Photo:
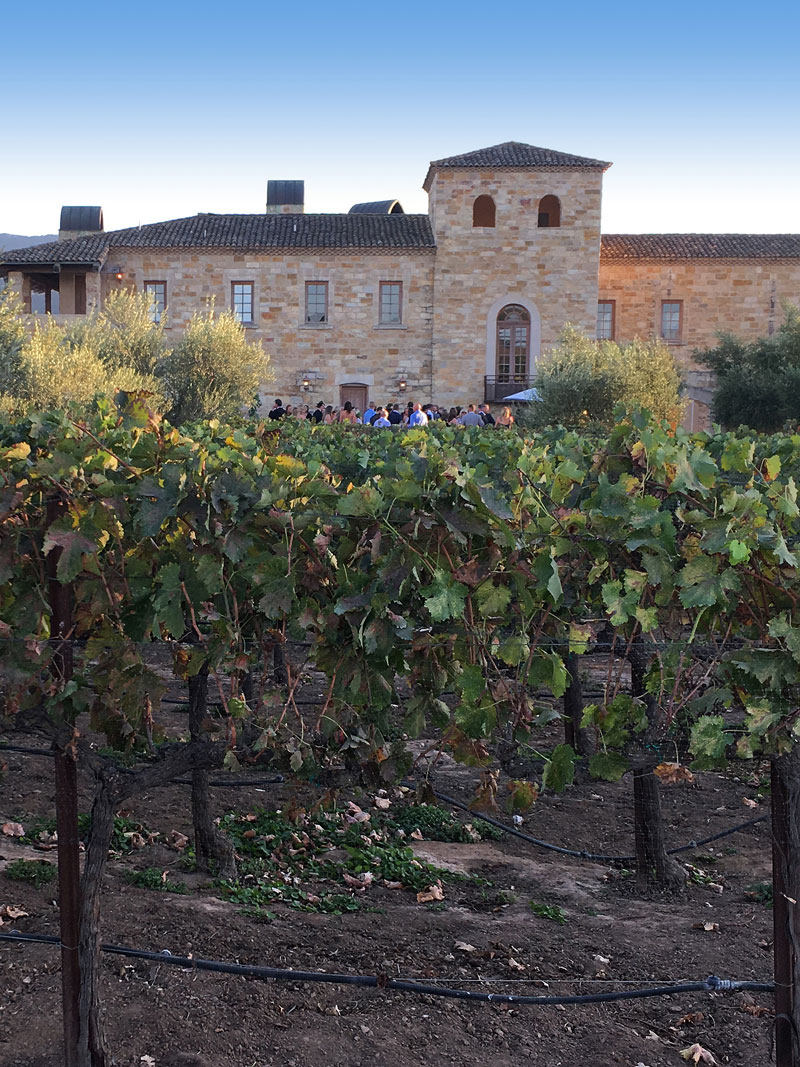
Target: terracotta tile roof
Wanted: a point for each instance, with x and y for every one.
(668, 246)
(513, 154)
(251, 233)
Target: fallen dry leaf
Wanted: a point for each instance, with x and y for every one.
(749, 803)
(177, 840)
(13, 829)
(416, 835)
(697, 1054)
(694, 1018)
(9, 912)
(709, 927)
(758, 1010)
(433, 892)
(464, 946)
(515, 965)
(383, 803)
(672, 773)
(392, 885)
(359, 881)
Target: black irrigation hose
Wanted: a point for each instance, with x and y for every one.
(27, 751)
(712, 984)
(583, 854)
(240, 783)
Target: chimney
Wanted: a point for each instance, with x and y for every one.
(285, 197)
(78, 221)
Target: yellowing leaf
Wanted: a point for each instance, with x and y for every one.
(697, 1054)
(671, 773)
(432, 893)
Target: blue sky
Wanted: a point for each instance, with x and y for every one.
(160, 111)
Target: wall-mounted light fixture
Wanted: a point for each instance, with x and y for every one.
(402, 385)
(118, 273)
(306, 384)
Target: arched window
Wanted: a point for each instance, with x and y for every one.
(513, 344)
(549, 211)
(483, 211)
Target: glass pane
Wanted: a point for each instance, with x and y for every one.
(390, 302)
(520, 352)
(158, 296)
(671, 321)
(513, 313)
(604, 321)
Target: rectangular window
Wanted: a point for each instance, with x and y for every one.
(391, 303)
(316, 301)
(158, 297)
(242, 301)
(605, 320)
(671, 315)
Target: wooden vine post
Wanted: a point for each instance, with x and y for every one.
(785, 795)
(66, 788)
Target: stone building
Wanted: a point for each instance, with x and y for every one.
(454, 305)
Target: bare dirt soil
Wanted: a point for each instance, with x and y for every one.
(160, 1016)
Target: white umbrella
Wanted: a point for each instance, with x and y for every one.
(524, 394)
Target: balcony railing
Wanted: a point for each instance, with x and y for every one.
(496, 387)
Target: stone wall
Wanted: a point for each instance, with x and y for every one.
(550, 271)
(352, 347)
(743, 297)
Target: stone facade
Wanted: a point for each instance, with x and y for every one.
(744, 297)
(460, 272)
(550, 271)
(352, 347)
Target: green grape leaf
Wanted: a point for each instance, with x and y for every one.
(610, 766)
(444, 598)
(492, 599)
(559, 772)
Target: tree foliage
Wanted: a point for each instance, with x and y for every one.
(758, 382)
(581, 380)
(213, 369)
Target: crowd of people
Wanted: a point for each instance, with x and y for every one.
(413, 414)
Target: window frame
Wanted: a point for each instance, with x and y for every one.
(677, 338)
(390, 322)
(325, 320)
(156, 313)
(611, 335)
(252, 287)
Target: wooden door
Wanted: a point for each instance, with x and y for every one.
(356, 394)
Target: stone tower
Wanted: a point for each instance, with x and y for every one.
(517, 231)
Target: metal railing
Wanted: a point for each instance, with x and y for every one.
(496, 387)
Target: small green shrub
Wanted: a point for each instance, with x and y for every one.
(437, 824)
(34, 872)
(548, 911)
(153, 878)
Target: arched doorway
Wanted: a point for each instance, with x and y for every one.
(513, 346)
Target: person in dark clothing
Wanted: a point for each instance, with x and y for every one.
(486, 415)
(395, 418)
(317, 414)
(278, 411)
